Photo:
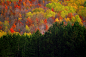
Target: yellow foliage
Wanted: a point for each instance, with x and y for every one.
(81, 23)
(17, 33)
(59, 21)
(73, 19)
(29, 14)
(81, 7)
(27, 28)
(42, 21)
(67, 19)
(6, 28)
(2, 33)
(54, 0)
(19, 18)
(27, 34)
(73, 5)
(56, 20)
(81, 2)
(6, 23)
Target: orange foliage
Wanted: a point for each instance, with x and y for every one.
(14, 26)
(83, 21)
(43, 1)
(45, 7)
(28, 1)
(60, 17)
(58, 14)
(72, 24)
(6, 7)
(24, 3)
(38, 29)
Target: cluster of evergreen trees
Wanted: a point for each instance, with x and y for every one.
(59, 41)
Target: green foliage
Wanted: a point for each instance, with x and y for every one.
(78, 18)
(49, 13)
(85, 4)
(82, 12)
(58, 41)
(29, 14)
(59, 7)
(64, 13)
(38, 10)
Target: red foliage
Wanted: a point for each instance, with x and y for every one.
(14, 3)
(6, 7)
(45, 7)
(19, 30)
(20, 0)
(7, 2)
(46, 27)
(39, 4)
(29, 22)
(37, 19)
(20, 23)
(17, 7)
(0, 27)
(70, 15)
(45, 21)
(65, 23)
(81, 18)
(12, 31)
(2, 3)
(32, 0)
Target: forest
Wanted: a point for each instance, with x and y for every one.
(42, 28)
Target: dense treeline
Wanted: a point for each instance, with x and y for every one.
(58, 41)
